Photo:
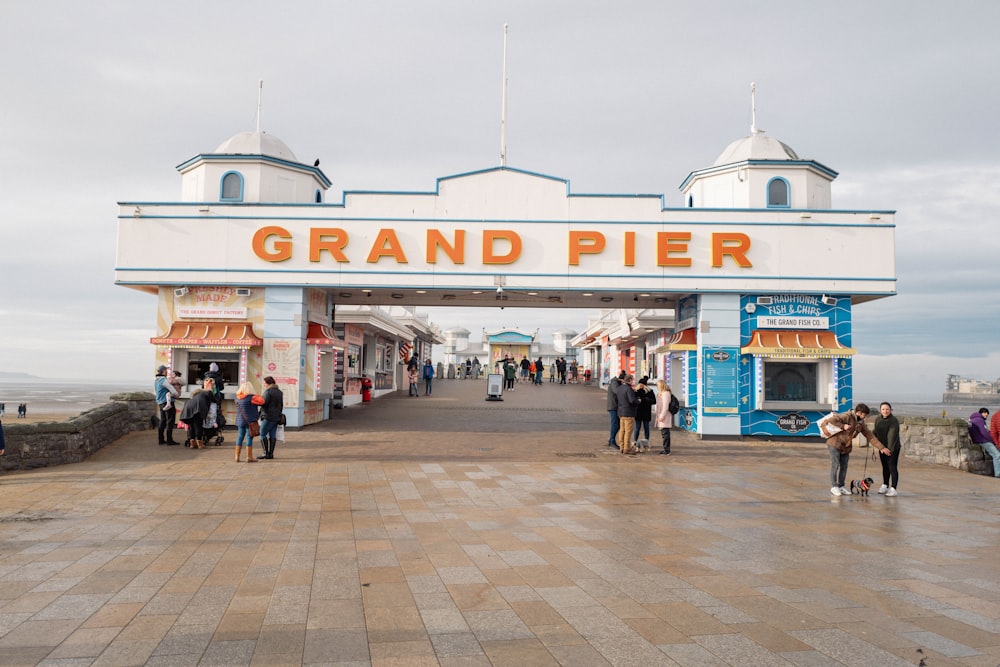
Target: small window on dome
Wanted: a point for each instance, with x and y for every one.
(232, 186)
(319, 196)
(690, 201)
(777, 193)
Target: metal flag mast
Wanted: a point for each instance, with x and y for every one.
(503, 109)
(260, 95)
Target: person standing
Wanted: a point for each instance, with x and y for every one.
(165, 395)
(987, 439)
(627, 405)
(197, 410)
(614, 422)
(218, 382)
(664, 417)
(413, 376)
(644, 412)
(887, 431)
(247, 418)
(509, 373)
(270, 416)
(3, 440)
(839, 431)
(428, 377)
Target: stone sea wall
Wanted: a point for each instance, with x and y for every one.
(943, 441)
(55, 443)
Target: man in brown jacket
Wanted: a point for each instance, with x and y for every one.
(839, 431)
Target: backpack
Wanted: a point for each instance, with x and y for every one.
(675, 405)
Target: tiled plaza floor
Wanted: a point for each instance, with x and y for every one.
(453, 531)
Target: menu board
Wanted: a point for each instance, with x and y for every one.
(720, 366)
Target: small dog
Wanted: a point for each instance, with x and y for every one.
(861, 485)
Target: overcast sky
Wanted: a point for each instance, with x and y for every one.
(101, 101)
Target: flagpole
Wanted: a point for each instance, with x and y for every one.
(503, 109)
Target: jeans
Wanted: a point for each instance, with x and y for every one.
(991, 450)
(639, 426)
(413, 389)
(243, 431)
(267, 432)
(838, 467)
(427, 386)
(615, 425)
(890, 468)
(165, 430)
(665, 434)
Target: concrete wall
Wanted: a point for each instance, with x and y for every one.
(55, 443)
(943, 442)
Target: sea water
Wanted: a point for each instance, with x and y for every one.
(53, 396)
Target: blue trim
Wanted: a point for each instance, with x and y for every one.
(788, 193)
(222, 187)
(239, 157)
(822, 168)
(494, 221)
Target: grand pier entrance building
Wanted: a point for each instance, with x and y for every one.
(760, 273)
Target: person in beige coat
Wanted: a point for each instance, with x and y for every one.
(664, 417)
(840, 431)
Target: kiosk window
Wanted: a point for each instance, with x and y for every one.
(791, 381)
(229, 366)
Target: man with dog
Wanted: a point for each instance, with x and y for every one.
(839, 431)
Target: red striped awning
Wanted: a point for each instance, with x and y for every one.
(685, 339)
(237, 335)
(815, 344)
(320, 334)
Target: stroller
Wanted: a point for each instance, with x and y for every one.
(212, 435)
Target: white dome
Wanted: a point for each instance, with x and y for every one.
(256, 143)
(457, 332)
(755, 147)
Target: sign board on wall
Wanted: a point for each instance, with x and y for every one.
(281, 361)
(720, 373)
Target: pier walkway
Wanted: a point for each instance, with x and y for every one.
(449, 530)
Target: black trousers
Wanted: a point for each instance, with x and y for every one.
(166, 425)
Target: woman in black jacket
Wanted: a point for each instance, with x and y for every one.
(644, 411)
(195, 412)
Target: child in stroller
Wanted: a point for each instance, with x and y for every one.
(212, 426)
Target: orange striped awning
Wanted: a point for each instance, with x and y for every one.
(237, 335)
(320, 334)
(686, 339)
(815, 344)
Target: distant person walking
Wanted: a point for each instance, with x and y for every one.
(428, 377)
(839, 431)
(413, 375)
(3, 439)
(887, 431)
(987, 439)
(270, 416)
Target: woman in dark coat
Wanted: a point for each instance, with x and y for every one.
(644, 411)
(196, 411)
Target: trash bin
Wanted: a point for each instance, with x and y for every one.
(366, 390)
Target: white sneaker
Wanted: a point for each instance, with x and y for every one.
(883, 488)
(844, 491)
(835, 491)
(891, 492)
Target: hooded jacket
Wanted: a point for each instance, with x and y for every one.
(977, 429)
(612, 393)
